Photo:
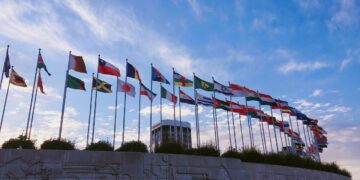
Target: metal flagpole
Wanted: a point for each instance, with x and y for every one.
(228, 122)
(272, 118)
(241, 131)
(64, 98)
(263, 129)
(216, 125)
(6, 96)
(305, 135)
(282, 120)
(139, 111)
(175, 127)
(262, 137)
(291, 122)
(89, 119)
(161, 120)
(297, 123)
(249, 125)
(115, 111)
(95, 104)
(151, 102)
(233, 122)
(216, 144)
(33, 108)
(196, 117)
(123, 128)
(2, 74)
(181, 128)
(32, 97)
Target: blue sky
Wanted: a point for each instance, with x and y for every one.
(306, 52)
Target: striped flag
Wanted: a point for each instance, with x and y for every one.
(200, 99)
(168, 95)
(146, 92)
(184, 98)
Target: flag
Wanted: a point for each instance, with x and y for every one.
(75, 83)
(280, 104)
(168, 95)
(7, 66)
(220, 104)
(17, 80)
(126, 87)
(252, 96)
(77, 63)
(238, 108)
(40, 84)
(238, 91)
(101, 85)
(266, 100)
(184, 98)
(41, 64)
(204, 85)
(251, 111)
(286, 110)
(157, 76)
(132, 72)
(180, 80)
(107, 68)
(146, 92)
(200, 99)
(218, 87)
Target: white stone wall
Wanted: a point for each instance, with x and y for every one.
(57, 164)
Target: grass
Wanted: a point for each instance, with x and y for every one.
(18, 143)
(284, 159)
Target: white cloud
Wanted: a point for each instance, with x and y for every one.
(197, 8)
(293, 66)
(345, 63)
(341, 109)
(317, 93)
(168, 111)
(345, 16)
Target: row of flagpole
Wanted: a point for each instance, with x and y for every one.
(73, 64)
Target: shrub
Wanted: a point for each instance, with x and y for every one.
(18, 143)
(61, 144)
(99, 146)
(170, 147)
(133, 146)
(207, 150)
(231, 153)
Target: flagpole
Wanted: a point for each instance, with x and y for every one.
(95, 103)
(6, 97)
(297, 123)
(151, 102)
(123, 128)
(31, 100)
(233, 122)
(175, 127)
(33, 108)
(262, 138)
(249, 124)
(2, 74)
(196, 117)
(262, 125)
(181, 128)
(282, 120)
(305, 134)
(228, 122)
(272, 118)
(115, 110)
(216, 125)
(64, 98)
(89, 119)
(139, 111)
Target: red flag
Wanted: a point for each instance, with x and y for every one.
(40, 84)
(107, 68)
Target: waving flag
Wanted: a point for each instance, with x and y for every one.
(7, 66)
(132, 72)
(75, 83)
(239, 91)
(157, 76)
(204, 85)
(41, 64)
(107, 68)
(126, 87)
(180, 80)
(251, 111)
(218, 87)
(40, 84)
(101, 85)
(280, 104)
(17, 80)
(184, 98)
(77, 63)
(200, 99)
(146, 92)
(168, 95)
(220, 104)
(266, 100)
(238, 108)
(252, 96)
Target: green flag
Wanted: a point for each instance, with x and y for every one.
(204, 85)
(101, 85)
(75, 83)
